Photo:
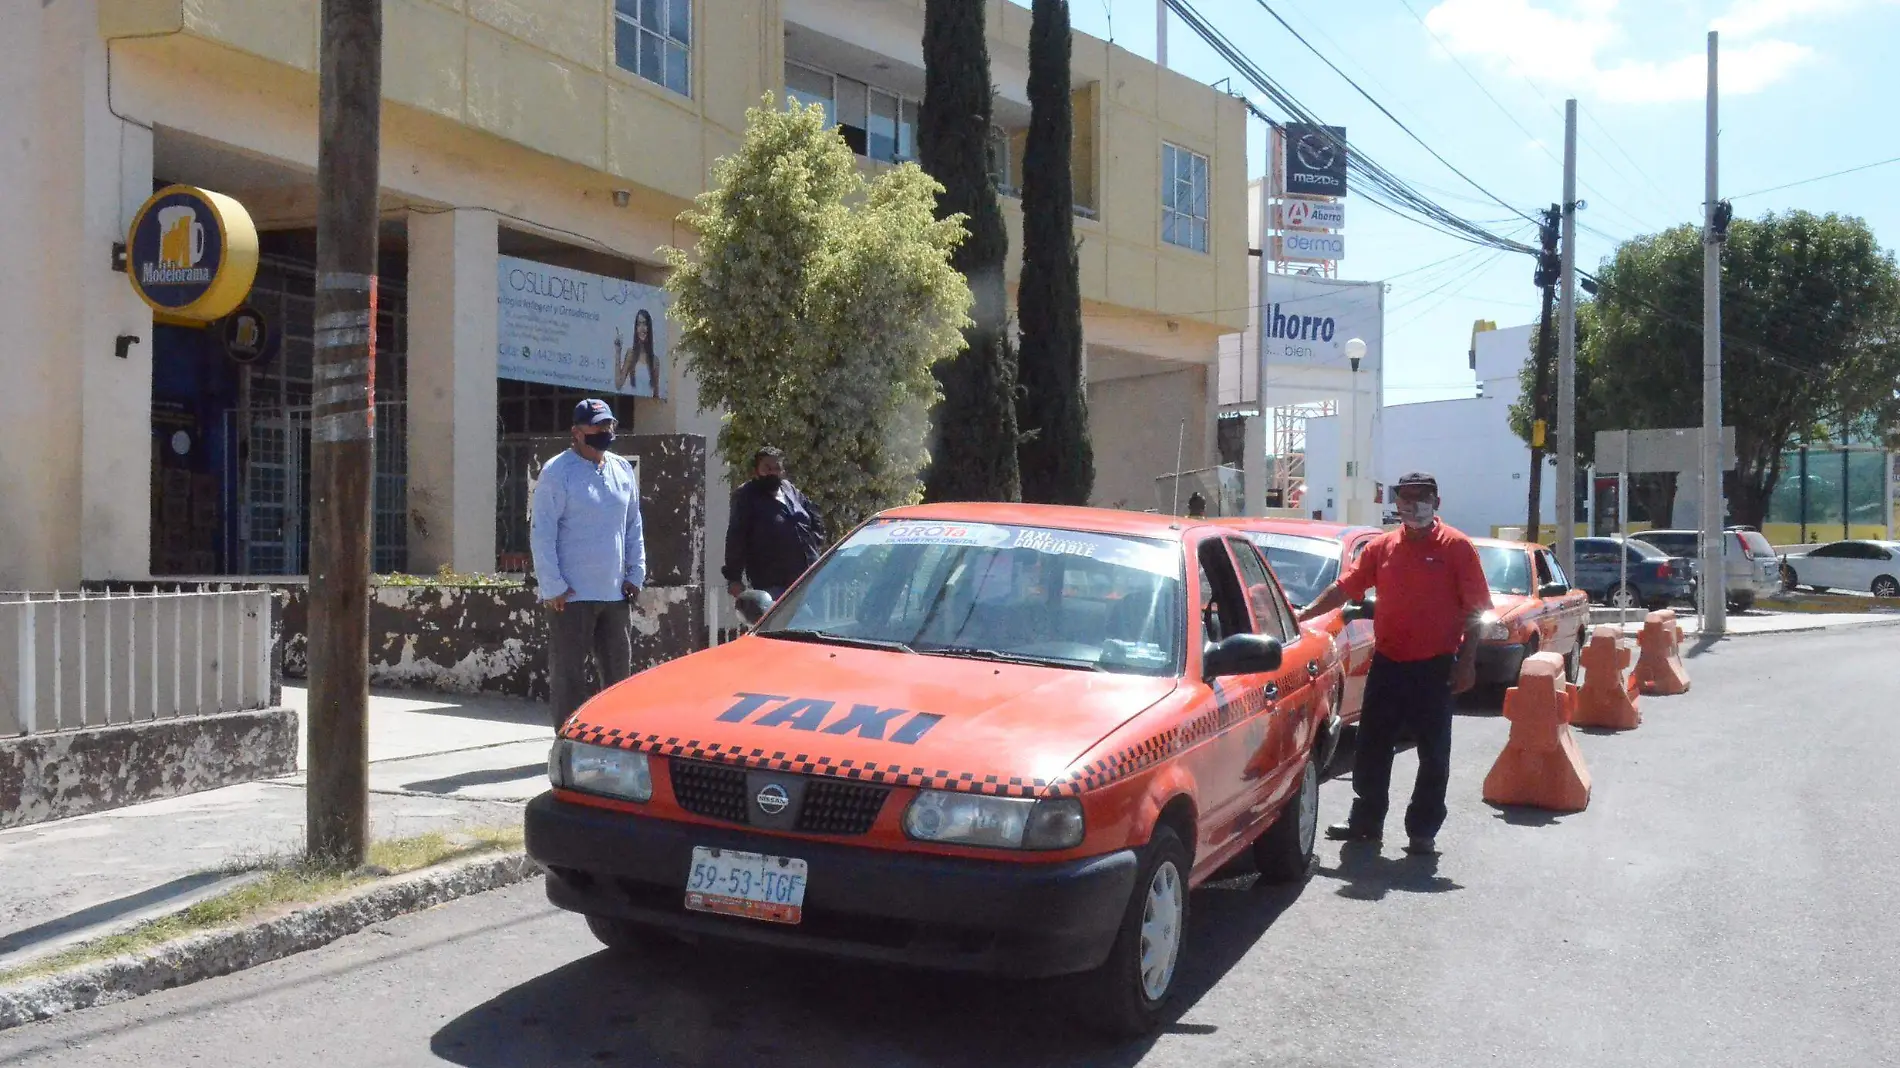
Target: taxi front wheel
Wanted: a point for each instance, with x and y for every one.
(1129, 995)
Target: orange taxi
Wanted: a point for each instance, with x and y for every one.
(984, 737)
(1535, 610)
(1308, 555)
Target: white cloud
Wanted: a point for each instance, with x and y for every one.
(1571, 47)
(1748, 17)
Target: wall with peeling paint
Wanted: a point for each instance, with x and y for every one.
(70, 773)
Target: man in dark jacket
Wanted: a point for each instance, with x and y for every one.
(774, 534)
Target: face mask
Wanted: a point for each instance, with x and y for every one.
(1418, 516)
(600, 440)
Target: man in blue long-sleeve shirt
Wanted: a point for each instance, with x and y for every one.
(590, 558)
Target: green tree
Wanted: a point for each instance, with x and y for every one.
(815, 306)
(1810, 338)
(1056, 457)
(973, 455)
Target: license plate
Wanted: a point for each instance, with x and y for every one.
(751, 885)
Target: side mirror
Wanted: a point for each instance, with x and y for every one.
(1361, 609)
(1552, 589)
(1241, 654)
(753, 604)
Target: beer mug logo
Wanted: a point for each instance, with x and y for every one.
(181, 238)
(247, 333)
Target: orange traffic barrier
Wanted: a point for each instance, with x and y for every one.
(1659, 668)
(1541, 766)
(1608, 697)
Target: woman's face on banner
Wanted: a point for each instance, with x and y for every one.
(642, 329)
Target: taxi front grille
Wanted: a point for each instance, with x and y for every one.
(840, 807)
(710, 790)
(719, 792)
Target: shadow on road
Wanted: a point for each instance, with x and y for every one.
(486, 777)
(720, 1004)
(1519, 816)
(1364, 874)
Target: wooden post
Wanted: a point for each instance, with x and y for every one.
(1540, 412)
(343, 422)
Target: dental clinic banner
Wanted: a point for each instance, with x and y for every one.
(580, 330)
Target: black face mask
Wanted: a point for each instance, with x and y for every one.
(600, 440)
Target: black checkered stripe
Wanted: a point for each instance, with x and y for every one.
(967, 782)
(1230, 708)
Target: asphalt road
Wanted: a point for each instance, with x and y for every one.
(1727, 899)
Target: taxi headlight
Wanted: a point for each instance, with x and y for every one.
(1492, 629)
(996, 822)
(599, 769)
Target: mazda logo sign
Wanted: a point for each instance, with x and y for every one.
(773, 799)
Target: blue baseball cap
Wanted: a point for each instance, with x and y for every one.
(592, 412)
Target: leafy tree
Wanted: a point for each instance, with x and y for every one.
(1810, 339)
(1056, 457)
(974, 450)
(814, 308)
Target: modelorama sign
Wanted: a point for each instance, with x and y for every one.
(191, 254)
(581, 330)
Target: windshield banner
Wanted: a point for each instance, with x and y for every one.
(1138, 553)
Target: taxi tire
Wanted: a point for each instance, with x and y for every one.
(1279, 854)
(1113, 1001)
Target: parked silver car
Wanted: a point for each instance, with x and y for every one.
(1750, 566)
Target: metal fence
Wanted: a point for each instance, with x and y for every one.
(70, 660)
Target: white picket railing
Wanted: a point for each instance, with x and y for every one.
(70, 660)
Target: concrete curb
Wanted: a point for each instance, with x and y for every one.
(232, 949)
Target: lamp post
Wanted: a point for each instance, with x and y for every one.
(1355, 352)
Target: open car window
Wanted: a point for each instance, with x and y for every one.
(1067, 598)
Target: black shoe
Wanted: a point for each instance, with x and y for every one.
(1422, 847)
(1346, 832)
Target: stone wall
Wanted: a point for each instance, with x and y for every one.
(70, 773)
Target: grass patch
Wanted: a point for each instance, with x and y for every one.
(281, 883)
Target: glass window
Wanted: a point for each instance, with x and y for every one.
(907, 133)
(1507, 570)
(999, 160)
(654, 39)
(1269, 608)
(880, 135)
(1184, 197)
(988, 591)
(1306, 566)
(808, 87)
(1223, 603)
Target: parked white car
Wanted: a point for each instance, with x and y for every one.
(1862, 566)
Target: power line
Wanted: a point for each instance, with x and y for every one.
(1374, 101)
(1819, 177)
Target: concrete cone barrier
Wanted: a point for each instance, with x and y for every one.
(1608, 697)
(1541, 766)
(1659, 668)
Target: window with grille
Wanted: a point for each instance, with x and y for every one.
(1183, 197)
(654, 39)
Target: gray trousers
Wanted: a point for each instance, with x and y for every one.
(602, 628)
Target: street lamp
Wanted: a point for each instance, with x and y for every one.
(1355, 352)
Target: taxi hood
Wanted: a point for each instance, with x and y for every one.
(832, 709)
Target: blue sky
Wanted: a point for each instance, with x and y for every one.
(1808, 87)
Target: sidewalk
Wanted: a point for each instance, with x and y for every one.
(437, 763)
(1758, 621)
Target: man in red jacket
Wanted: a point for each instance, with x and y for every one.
(1432, 597)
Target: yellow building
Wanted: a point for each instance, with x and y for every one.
(525, 144)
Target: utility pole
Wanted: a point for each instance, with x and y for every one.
(1714, 580)
(1548, 268)
(1161, 34)
(342, 429)
(1567, 359)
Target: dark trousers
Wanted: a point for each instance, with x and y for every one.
(1404, 699)
(602, 628)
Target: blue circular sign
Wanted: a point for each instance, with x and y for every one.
(192, 253)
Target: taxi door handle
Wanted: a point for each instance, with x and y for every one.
(1312, 669)
(1273, 691)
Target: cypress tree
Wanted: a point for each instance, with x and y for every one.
(973, 457)
(1056, 457)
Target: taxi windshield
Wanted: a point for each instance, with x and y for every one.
(1065, 598)
(1305, 566)
(1507, 570)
